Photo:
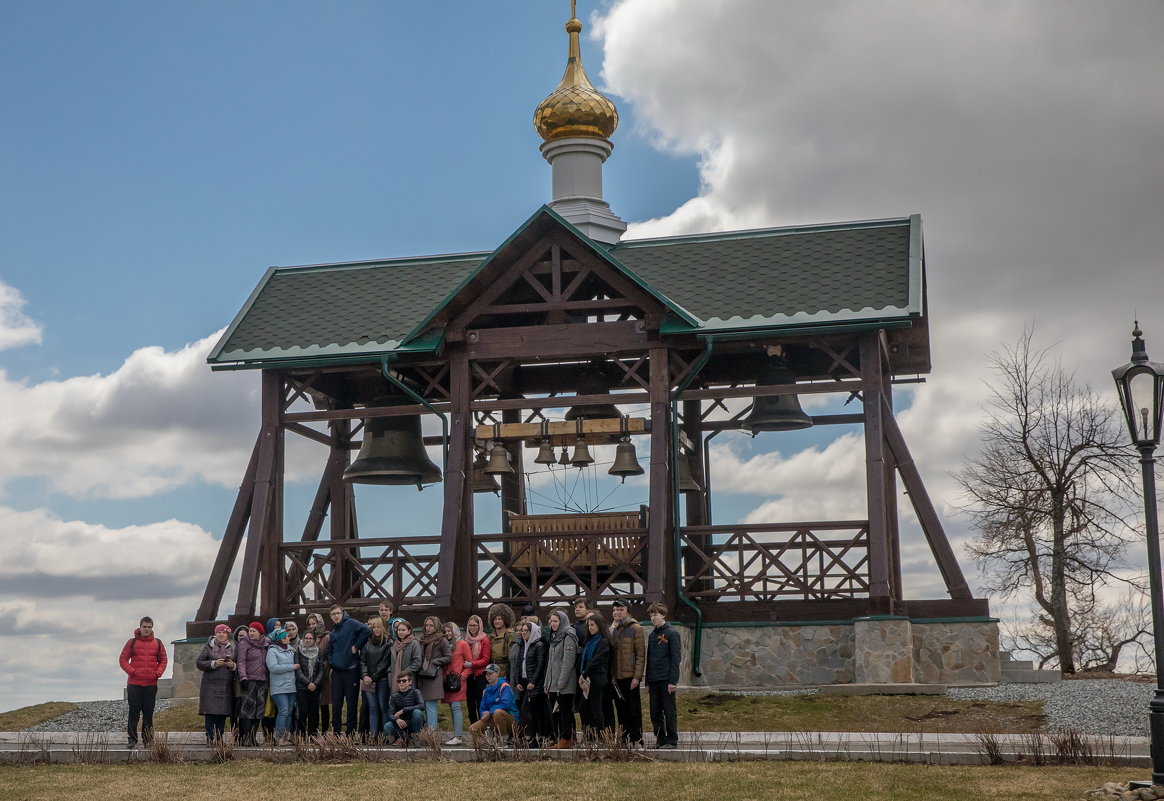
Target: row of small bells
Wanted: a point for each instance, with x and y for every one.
(393, 451)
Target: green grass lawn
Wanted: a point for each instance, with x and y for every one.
(27, 716)
(741, 781)
(703, 711)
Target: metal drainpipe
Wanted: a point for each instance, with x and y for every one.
(697, 642)
(387, 359)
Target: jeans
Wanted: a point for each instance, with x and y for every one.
(458, 718)
(141, 705)
(663, 716)
(345, 688)
(377, 703)
(283, 704)
(393, 732)
(430, 714)
(215, 726)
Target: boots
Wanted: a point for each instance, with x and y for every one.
(562, 743)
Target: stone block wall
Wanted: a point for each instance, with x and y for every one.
(877, 651)
(187, 677)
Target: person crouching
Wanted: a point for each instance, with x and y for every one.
(405, 714)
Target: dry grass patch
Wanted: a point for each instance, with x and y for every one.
(771, 781)
(180, 717)
(28, 716)
(856, 713)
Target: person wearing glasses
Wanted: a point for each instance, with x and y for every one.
(405, 712)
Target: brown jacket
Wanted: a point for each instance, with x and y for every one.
(630, 650)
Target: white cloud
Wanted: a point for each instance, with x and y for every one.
(16, 328)
(161, 420)
(74, 591)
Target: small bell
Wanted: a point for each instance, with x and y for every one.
(565, 460)
(686, 482)
(581, 457)
(498, 461)
(483, 481)
(626, 461)
(546, 454)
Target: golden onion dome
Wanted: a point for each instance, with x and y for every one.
(575, 108)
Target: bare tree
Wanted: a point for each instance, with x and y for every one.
(1048, 491)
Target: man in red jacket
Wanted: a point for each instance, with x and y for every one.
(144, 660)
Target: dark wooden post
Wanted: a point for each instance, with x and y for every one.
(341, 525)
(660, 568)
(270, 437)
(875, 482)
(892, 521)
(455, 579)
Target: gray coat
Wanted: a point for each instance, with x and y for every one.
(216, 693)
(434, 689)
(561, 674)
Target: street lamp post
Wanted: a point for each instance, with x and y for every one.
(1141, 387)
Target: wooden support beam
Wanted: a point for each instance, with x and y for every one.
(560, 432)
(231, 540)
(660, 569)
(814, 388)
(261, 505)
(310, 433)
(564, 341)
(926, 514)
(453, 579)
(891, 514)
(879, 560)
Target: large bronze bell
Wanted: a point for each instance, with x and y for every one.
(686, 481)
(581, 456)
(393, 451)
(592, 381)
(776, 412)
(626, 461)
(498, 461)
(483, 481)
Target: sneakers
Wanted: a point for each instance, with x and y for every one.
(454, 741)
(132, 743)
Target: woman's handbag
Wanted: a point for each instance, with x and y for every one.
(427, 671)
(452, 682)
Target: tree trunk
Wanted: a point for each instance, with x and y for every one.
(1060, 612)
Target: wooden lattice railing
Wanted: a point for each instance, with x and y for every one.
(767, 562)
(347, 572)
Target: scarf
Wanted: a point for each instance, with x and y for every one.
(429, 642)
(475, 642)
(588, 651)
(221, 650)
(308, 651)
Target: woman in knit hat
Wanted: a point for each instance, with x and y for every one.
(252, 674)
(216, 693)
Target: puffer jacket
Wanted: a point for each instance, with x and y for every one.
(562, 660)
(252, 659)
(143, 659)
(281, 667)
(376, 659)
(629, 643)
(531, 656)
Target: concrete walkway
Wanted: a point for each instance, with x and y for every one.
(934, 749)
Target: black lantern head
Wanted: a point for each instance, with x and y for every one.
(1141, 386)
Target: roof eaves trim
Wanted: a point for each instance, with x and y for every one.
(757, 233)
(216, 352)
(917, 266)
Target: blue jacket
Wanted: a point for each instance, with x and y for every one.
(663, 653)
(347, 632)
(498, 695)
(281, 666)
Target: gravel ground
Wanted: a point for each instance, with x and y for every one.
(1095, 706)
(95, 716)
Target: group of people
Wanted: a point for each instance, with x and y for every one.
(520, 679)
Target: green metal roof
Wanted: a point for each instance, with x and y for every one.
(779, 278)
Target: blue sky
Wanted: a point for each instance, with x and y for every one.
(157, 157)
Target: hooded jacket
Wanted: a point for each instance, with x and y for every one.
(630, 649)
(252, 659)
(281, 666)
(562, 659)
(530, 667)
(376, 659)
(348, 633)
(143, 658)
(498, 695)
(663, 654)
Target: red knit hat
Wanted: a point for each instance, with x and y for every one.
(257, 626)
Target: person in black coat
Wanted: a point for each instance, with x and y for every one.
(309, 683)
(529, 675)
(594, 673)
(663, 656)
